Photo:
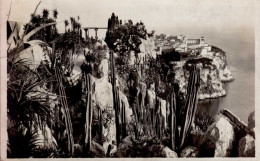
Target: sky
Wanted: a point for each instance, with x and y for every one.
(162, 16)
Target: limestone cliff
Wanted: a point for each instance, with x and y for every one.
(214, 72)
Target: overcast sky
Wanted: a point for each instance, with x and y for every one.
(158, 15)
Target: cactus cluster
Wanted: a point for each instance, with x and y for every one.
(178, 137)
(118, 105)
(150, 121)
(64, 105)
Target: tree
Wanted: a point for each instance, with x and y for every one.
(45, 14)
(47, 33)
(72, 21)
(66, 23)
(55, 14)
(126, 37)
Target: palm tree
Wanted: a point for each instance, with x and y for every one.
(45, 14)
(66, 22)
(55, 14)
(72, 21)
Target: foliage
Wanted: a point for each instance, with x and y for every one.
(20, 145)
(69, 41)
(203, 121)
(46, 34)
(124, 37)
(22, 83)
(204, 61)
(151, 72)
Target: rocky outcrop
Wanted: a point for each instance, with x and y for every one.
(151, 100)
(104, 68)
(162, 104)
(102, 98)
(148, 47)
(246, 147)
(219, 60)
(218, 139)
(151, 96)
(189, 152)
(212, 75)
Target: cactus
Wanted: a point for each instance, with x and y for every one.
(123, 120)
(100, 130)
(191, 103)
(64, 104)
(172, 121)
(116, 100)
(89, 113)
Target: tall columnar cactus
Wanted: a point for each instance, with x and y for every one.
(191, 103)
(100, 130)
(116, 100)
(123, 120)
(172, 121)
(64, 105)
(89, 113)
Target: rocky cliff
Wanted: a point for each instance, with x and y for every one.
(214, 72)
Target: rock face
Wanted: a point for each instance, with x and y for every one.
(104, 68)
(162, 104)
(246, 147)
(251, 120)
(151, 97)
(103, 98)
(148, 46)
(218, 139)
(212, 76)
(189, 152)
(219, 60)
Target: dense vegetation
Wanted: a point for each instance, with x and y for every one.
(51, 114)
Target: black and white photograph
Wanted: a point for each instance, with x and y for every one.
(128, 79)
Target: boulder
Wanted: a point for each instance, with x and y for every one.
(196, 136)
(246, 146)
(132, 59)
(97, 150)
(169, 153)
(128, 141)
(151, 97)
(218, 139)
(189, 152)
(77, 150)
(103, 68)
(162, 104)
(251, 120)
(123, 151)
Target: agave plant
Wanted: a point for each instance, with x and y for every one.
(23, 98)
